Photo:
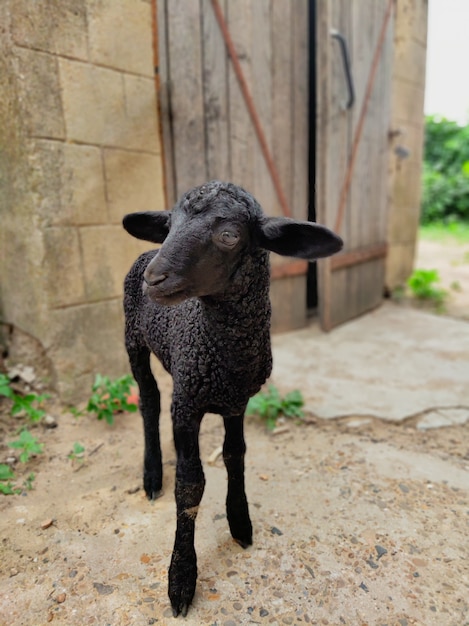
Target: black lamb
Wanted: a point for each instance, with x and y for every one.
(201, 304)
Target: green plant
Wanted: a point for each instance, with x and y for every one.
(109, 397)
(269, 405)
(77, 452)
(6, 476)
(422, 284)
(29, 404)
(28, 482)
(5, 389)
(445, 194)
(28, 445)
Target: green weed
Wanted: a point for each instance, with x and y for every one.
(269, 405)
(5, 389)
(6, 477)
(77, 452)
(422, 284)
(109, 397)
(28, 483)
(28, 445)
(30, 404)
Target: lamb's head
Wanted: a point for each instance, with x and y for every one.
(208, 234)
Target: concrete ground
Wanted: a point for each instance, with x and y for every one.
(357, 520)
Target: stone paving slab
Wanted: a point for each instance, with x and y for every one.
(393, 363)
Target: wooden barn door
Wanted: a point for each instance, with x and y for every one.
(208, 130)
(352, 282)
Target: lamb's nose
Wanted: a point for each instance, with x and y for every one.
(152, 280)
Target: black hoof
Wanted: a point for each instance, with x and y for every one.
(181, 587)
(243, 542)
(154, 495)
(153, 485)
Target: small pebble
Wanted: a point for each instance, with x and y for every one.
(380, 551)
(49, 421)
(364, 587)
(275, 531)
(61, 598)
(372, 564)
(263, 613)
(104, 590)
(404, 488)
(47, 523)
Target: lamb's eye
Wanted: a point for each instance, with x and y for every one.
(229, 238)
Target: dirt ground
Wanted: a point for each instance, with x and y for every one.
(356, 521)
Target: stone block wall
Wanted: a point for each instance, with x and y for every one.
(407, 136)
(79, 147)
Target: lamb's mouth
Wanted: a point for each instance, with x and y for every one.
(168, 297)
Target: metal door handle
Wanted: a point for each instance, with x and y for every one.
(347, 71)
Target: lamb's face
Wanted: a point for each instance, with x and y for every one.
(208, 234)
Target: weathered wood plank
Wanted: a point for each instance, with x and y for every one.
(243, 140)
(261, 91)
(282, 106)
(322, 70)
(187, 104)
(164, 100)
(338, 151)
(215, 75)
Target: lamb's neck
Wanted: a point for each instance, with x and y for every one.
(245, 306)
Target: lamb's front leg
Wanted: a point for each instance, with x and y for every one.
(190, 483)
(149, 404)
(237, 510)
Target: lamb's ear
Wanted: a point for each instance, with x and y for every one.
(304, 240)
(149, 225)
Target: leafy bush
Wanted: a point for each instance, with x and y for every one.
(445, 171)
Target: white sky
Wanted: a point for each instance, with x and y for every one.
(447, 80)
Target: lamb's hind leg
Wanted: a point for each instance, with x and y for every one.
(150, 409)
(237, 510)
